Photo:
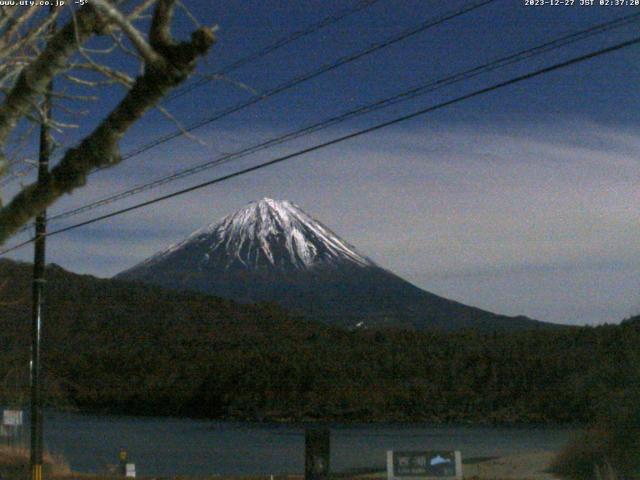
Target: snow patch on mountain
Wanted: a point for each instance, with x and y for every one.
(265, 234)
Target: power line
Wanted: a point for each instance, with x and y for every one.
(430, 23)
(325, 22)
(16, 247)
(403, 118)
(406, 95)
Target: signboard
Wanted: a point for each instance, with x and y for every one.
(436, 464)
(12, 418)
(130, 470)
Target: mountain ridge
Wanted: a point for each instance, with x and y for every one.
(273, 251)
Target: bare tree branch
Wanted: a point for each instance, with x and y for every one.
(8, 48)
(140, 9)
(100, 148)
(160, 33)
(35, 77)
(136, 38)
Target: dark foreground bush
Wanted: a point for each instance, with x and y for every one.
(609, 452)
(14, 464)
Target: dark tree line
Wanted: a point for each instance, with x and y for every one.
(118, 347)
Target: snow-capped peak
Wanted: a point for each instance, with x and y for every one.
(263, 235)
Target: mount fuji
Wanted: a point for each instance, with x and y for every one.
(272, 251)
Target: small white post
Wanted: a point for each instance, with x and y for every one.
(390, 465)
(458, 465)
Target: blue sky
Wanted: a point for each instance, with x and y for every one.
(522, 201)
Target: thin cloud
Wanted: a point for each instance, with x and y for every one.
(431, 204)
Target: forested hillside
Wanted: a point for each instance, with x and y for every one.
(119, 347)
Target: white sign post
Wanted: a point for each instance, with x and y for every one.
(12, 418)
(11, 427)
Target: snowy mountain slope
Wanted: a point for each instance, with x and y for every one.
(272, 251)
(267, 234)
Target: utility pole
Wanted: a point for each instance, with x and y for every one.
(317, 453)
(38, 291)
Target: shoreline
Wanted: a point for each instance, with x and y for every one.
(313, 421)
(522, 466)
(529, 466)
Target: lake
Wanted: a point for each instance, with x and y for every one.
(171, 446)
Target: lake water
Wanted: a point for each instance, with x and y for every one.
(171, 446)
